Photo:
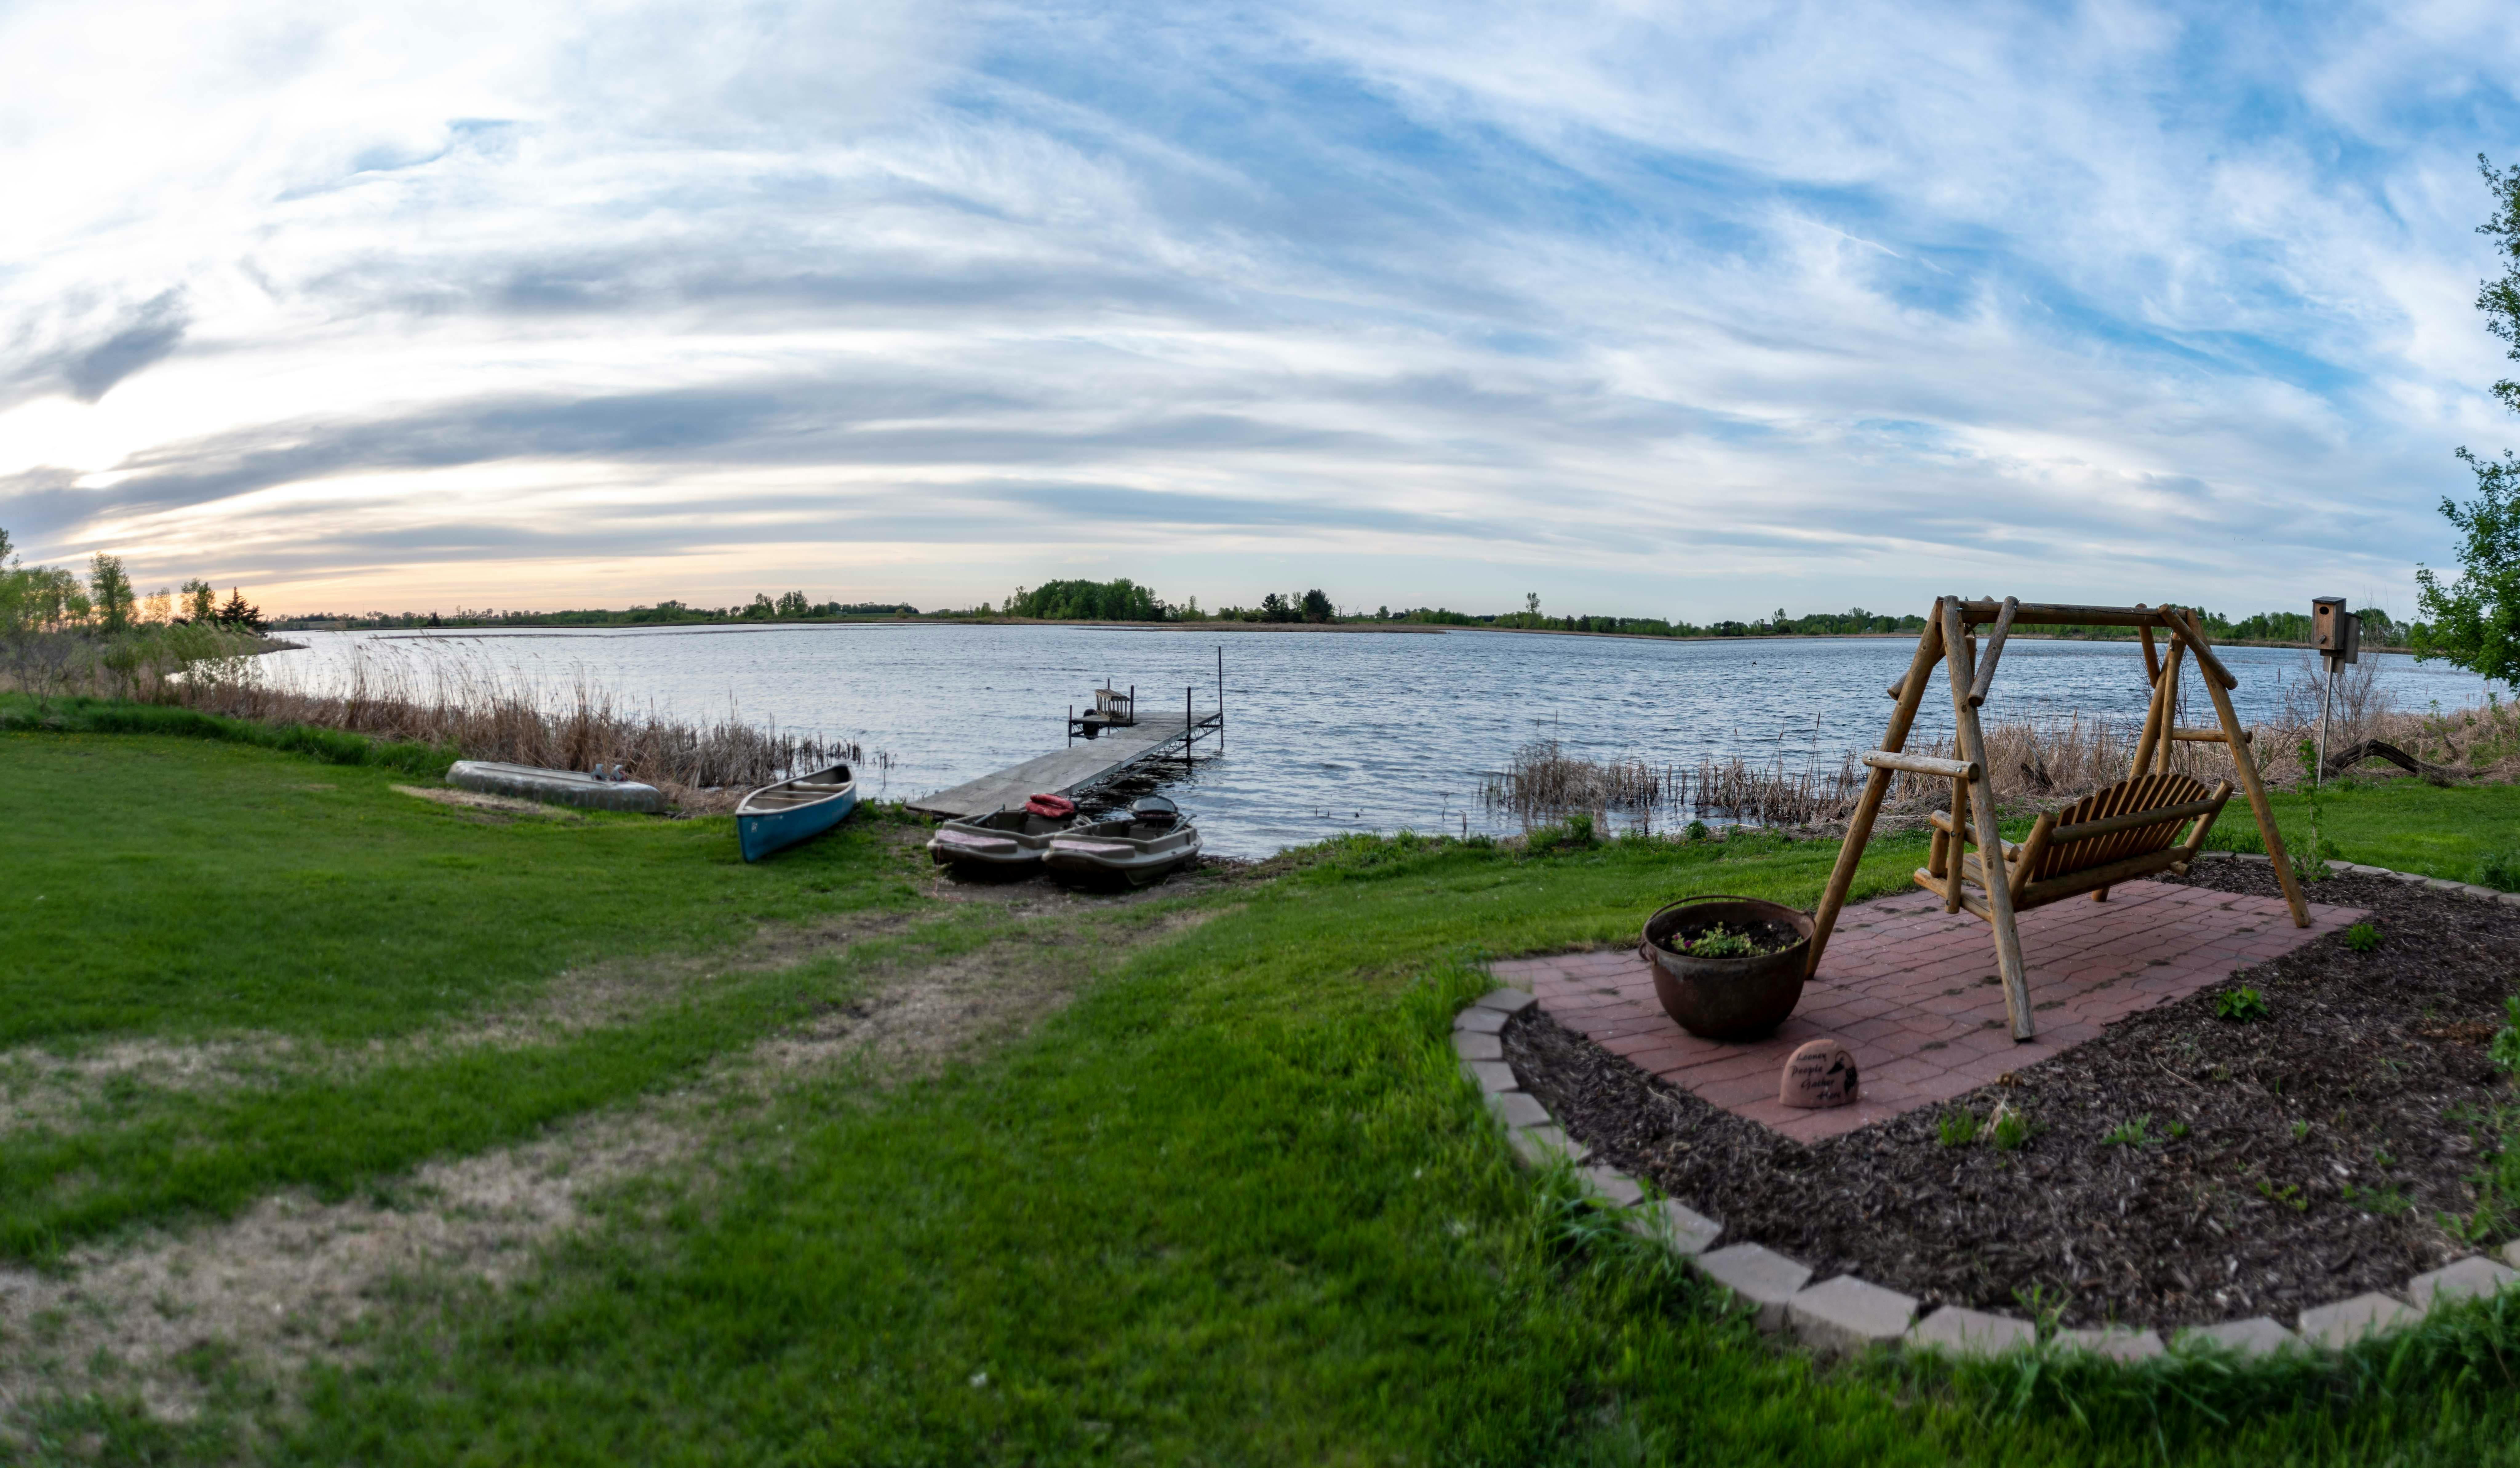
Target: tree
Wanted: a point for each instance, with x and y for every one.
(762, 606)
(200, 601)
(240, 614)
(2474, 622)
(1531, 604)
(110, 593)
(1121, 600)
(1273, 607)
(17, 588)
(1317, 605)
(793, 605)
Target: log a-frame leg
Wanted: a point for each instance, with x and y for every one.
(1942, 642)
(1910, 693)
(2218, 686)
(1971, 741)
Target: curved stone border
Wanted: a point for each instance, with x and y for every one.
(1845, 1313)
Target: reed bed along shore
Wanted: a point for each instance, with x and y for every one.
(470, 711)
(2034, 765)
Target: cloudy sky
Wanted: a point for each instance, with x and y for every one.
(1682, 310)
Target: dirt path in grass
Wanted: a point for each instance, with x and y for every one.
(41, 1088)
(288, 1281)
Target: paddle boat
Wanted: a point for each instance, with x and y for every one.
(1008, 841)
(1145, 846)
(777, 816)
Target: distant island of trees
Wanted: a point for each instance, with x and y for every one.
(1123, 599)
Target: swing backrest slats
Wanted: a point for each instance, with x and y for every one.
(2132, 796)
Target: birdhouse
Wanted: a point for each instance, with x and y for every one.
(2336, 633)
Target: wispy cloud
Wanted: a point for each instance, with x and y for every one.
(1660, 313)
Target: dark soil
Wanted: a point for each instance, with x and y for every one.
(1765, 938)
(2286, 1161)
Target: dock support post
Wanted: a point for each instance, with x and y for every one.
(1190, 730)
(1220, 700)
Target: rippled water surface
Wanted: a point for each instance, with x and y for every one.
(1326, 731)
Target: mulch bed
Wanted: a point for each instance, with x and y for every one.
(2320, 1144)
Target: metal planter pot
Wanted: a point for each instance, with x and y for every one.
(1727, 998)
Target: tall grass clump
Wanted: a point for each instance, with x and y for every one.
(429, 709)
(483, 712)
(1542, 782)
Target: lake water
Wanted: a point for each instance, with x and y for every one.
(1325, 731)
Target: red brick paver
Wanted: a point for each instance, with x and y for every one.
(1912, 991)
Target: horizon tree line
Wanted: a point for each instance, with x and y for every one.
(54, 599)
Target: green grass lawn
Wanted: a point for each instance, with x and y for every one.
(181, 888)
(2455, 833)
(1234, 1204)
(2404, 825)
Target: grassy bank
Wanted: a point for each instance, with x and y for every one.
(2461, 833)
(1232, 1203)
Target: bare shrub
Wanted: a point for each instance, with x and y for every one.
(2480, 741)
(138, 664)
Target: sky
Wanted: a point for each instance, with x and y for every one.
(1690, 311)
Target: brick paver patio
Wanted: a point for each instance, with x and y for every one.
(1912, 990)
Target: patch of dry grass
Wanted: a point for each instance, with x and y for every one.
(288, 1281)
(481, 712)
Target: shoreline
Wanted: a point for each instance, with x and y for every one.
(1345, 627)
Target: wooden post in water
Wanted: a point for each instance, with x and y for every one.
(1220, 699)
(1190, 729)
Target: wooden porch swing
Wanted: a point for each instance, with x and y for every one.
(2120, 833)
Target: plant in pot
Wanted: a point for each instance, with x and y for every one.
(1728, 968)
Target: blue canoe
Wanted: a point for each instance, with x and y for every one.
(777, 816)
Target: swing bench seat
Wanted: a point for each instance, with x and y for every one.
(2122, 833)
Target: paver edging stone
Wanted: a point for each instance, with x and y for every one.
(2339, 1325)
(1843, 1318)
(2258, 1335)
(1843, 1315)
(1961, 1331)
(2115, 1342)
(2459, 1279)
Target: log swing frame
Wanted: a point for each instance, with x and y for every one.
(1950, 639)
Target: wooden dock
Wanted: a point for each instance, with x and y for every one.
(1063, 771)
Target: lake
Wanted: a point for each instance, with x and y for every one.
(1325, 731)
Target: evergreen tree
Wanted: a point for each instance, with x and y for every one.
(241, 614)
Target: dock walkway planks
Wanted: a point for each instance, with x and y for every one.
(1057, 772)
